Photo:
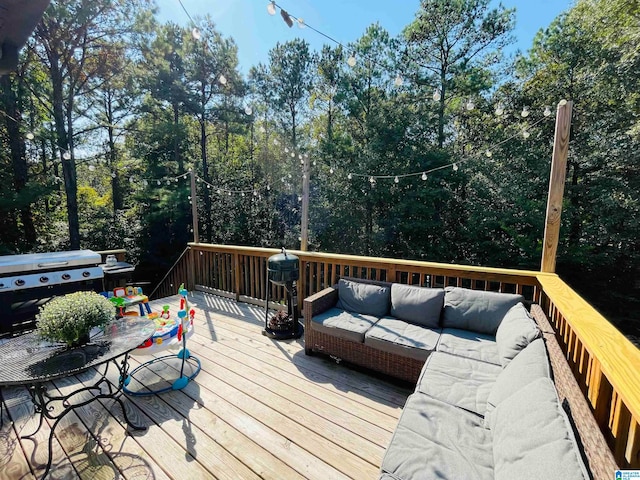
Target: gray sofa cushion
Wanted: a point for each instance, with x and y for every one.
(516, 331)
(435, 440)
(464, 343)
(458, 381)
(417, 304)
(532, 437)
(363, 298)
(475, 310)
(342, 324)
(530, 364)
(402, 338)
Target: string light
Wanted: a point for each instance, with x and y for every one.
(424, 175)
(525, 133)
(499, 110)
(455, 167)
(30, 136)
(470, 105)
(301, 23)
(488, 153)
(271, 8)
(398, 81)
(351, 61)
(222, 79)
(547, 111)
(350, 176)
(248, 110)
(436, 95)
(396, 179)
(195, 33)
(525, 112)
(66, 155)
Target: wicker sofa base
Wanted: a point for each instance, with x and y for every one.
(397, 366)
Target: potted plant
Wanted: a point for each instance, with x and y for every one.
(280, 321)
(70, 318)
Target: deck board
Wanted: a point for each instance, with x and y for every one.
(259, 409)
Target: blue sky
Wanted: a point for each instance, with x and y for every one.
(256, 32)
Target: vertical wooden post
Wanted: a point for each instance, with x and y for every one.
(556, 186)
(304, 228)
(194, 208)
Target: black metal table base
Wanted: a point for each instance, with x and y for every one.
(43, 402)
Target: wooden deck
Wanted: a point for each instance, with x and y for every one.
(258, 409)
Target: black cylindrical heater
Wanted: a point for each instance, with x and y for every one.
(283, 269)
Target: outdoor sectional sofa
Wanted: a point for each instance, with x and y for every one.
(484, 406)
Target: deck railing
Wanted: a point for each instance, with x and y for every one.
(605, 363)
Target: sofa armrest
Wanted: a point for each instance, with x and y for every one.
(320, 302)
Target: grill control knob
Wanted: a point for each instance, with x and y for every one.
(44, 279)
(86, 274)
(19, 283)
(66, 276)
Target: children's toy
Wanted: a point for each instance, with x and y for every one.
(171, 333)
(124, 297)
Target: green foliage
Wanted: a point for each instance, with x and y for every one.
(69, 317)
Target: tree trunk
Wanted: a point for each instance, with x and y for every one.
(176, 141)
(18, 154)
(63, 144)
(441, 105)
(116, 194)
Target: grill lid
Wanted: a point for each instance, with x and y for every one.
(34, 262)
(283, 267)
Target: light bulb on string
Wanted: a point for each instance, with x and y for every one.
(525, 133)
(300, 156)
(131, 179)
(168, 182)
(271, 8)
(331, 170)
(547, 111)
(92, 168)
(470, 105)
(301, 23)
(351, 61)
(286, 149)
(145, 183)
(350, 176)
(268, 187)
(436, 95)
(525, 112)
(275, 142)
(299, 198)
(499, 110)
(255, 193)
(218, 191)
(208, 186)
(262, 129)
(396, 180)
(30, 136)
(195, 33)
(315, 163)
(372, 180)
(242, 194)
(455, 167)
(293, 154)
(424, 176)
(113, 175)
(66, 155)
(222, 79)
(248, 110)
(488, 153)
(158, 182)
(398, 81)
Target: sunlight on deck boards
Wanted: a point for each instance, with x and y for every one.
(258, 409)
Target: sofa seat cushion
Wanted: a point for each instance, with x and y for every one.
(435, 440)
(458, 381)
(516, 331)
(476, 310)
(529, 365)
(464, 343)
(343, 324)
(417, 305)
(402, 338)
(532, 437)
(365, 298)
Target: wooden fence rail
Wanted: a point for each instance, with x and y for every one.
(605, 363)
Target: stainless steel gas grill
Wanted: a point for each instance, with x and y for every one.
(30, 280)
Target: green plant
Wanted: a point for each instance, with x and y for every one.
(71, 317)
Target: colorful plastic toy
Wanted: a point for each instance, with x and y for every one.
(171, 333)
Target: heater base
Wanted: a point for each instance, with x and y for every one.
(284, 335)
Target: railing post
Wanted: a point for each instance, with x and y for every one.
(191, 271)
(304, 228)
(194, 207)
(236, 275)
(556, 186)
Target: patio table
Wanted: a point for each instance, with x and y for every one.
(32, 362)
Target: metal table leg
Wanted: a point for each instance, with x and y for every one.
(42, 402)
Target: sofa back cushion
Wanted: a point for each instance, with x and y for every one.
(532, 437)
(530, 364)
(515, 332)
(476, 310)
(417, 305)
(368, 299)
